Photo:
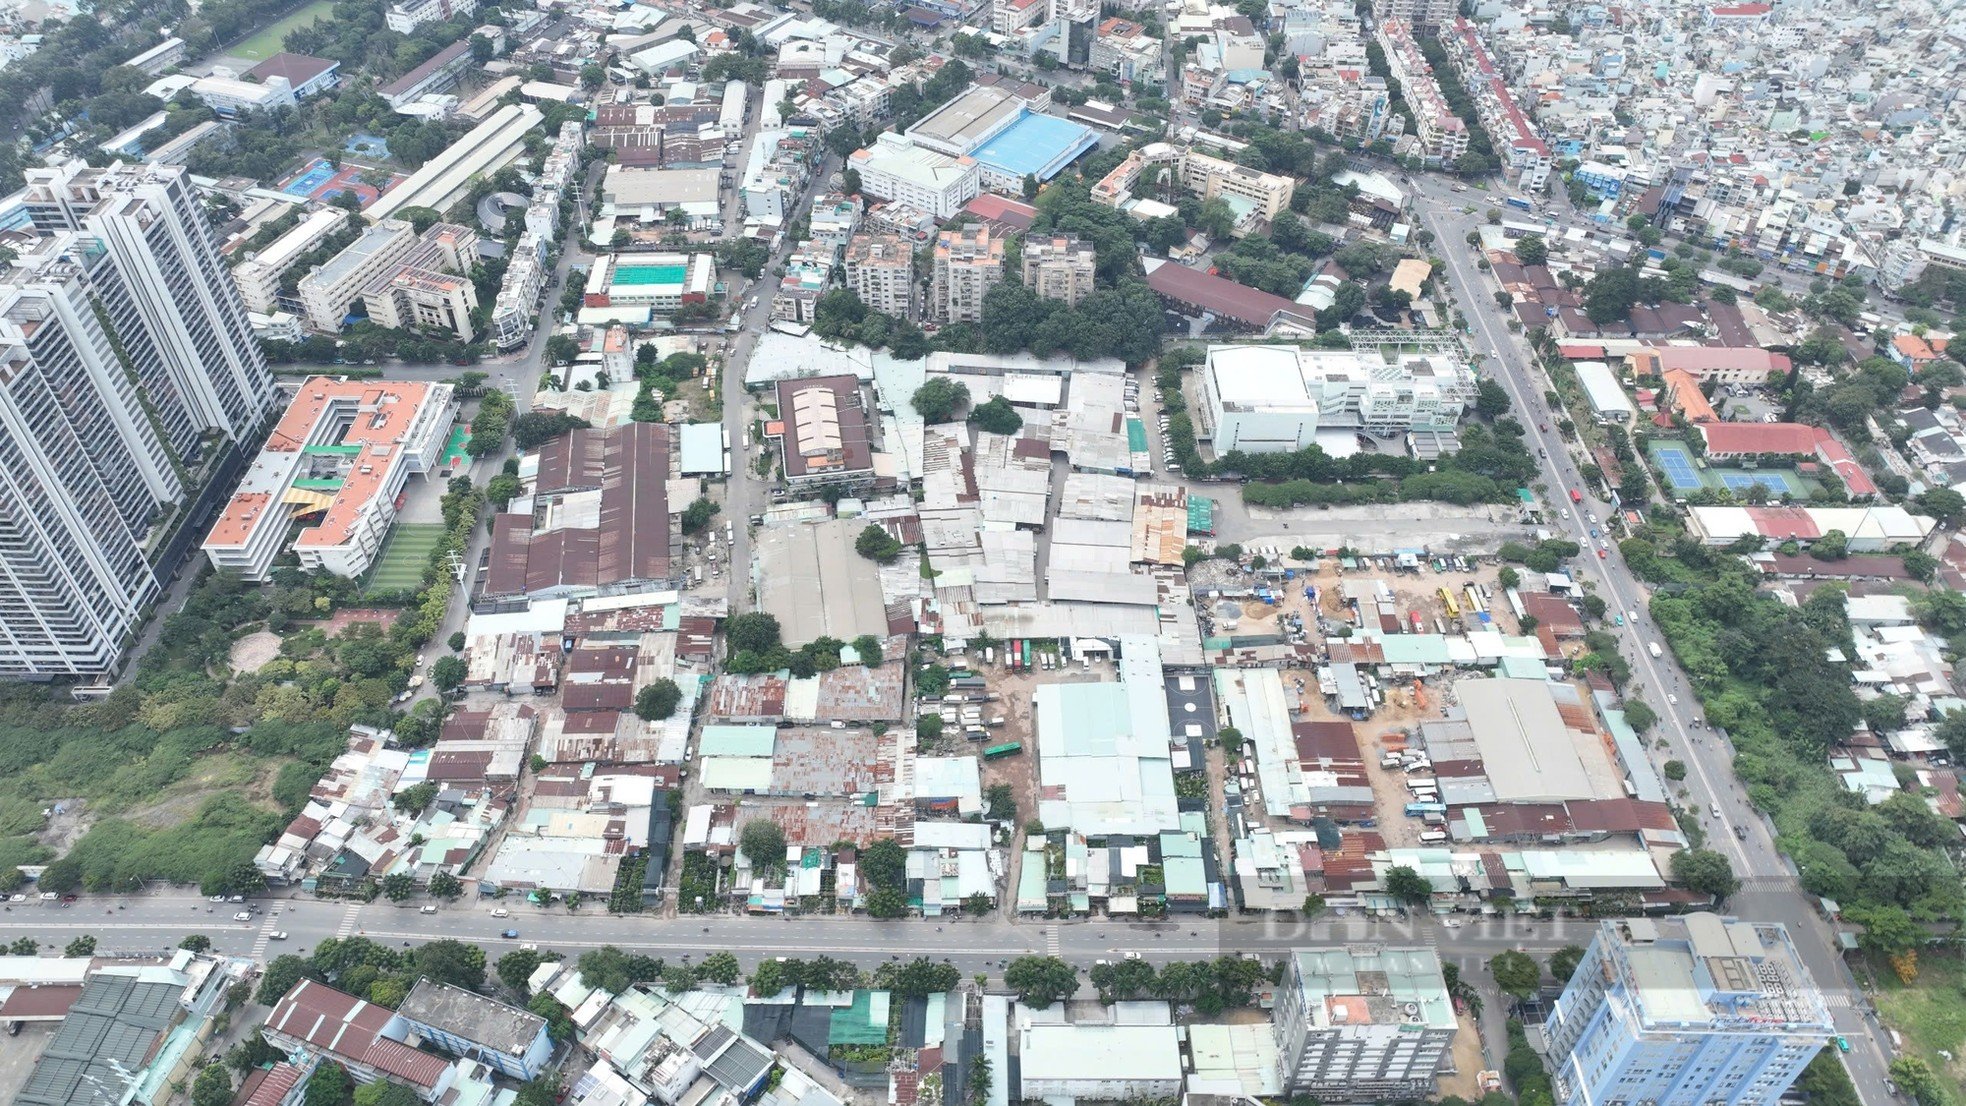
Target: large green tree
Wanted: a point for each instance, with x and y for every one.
(1041, 980)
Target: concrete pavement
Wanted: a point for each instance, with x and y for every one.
(1734, 828)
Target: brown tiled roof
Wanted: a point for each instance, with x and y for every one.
(49, 1001)
(350, 1029)
(1249, 306)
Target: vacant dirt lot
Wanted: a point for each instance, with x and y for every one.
(254, 651)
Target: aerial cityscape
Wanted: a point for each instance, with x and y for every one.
(982, 552)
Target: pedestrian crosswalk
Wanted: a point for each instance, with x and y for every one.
(266, 930)
(1051, 943)
(1777, 881)
(348, 919)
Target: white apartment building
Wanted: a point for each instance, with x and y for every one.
(1198, 174)
(82, 475)
(969, 262)
(198, 358)
(1059, 267)
(101, 413)
(1418, 13)
(514, 312)
(880, 269)
(258, 277)
(336, 463)
(1443, 136)
(428, 290)
(1276, 399)
(328, 292)
(1362, 1023)
(895, 168)
(1698, 1010)
(405, 16)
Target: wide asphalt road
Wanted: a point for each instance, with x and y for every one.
(151, 923)
(1769, 889)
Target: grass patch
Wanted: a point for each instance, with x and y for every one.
(225, 770)
(1931, 1015)
(404, 557)
(267, 42)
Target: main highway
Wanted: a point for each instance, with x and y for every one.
(150, 923)
(1769, 890)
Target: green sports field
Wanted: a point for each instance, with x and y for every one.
(267, 42)
(404, 556)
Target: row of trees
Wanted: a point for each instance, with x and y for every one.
(1210, 986)
(1764, 673)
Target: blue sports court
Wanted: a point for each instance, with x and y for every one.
(1676, 461)
(1777, 483)
(314, 176)
(1036, 146)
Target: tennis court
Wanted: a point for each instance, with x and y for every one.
(1777, 483)
(404, 557)
(1676, 461)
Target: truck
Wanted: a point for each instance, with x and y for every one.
(1576, 496)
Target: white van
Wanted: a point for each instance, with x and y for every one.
(1433, 836)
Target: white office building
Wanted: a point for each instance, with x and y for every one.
(895, 168)
(1362, 1023)
(258, 277)
(1698, 1010)
(405, 16)
(328, 292)
(1276, 399)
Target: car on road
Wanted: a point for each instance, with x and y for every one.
(1672, 700)
(1452, 923)
(243, 916)
(1842, 1043)
(1133, 956)
(216, 898)
(277, 935)
(529, 947)
(501, 912)
(1601, 554)
(1632, 614)
(1713, 809)
(427, 910)
(510, 935)
(1618, 620)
